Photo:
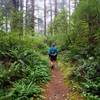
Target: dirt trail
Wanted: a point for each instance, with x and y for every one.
(56, 89)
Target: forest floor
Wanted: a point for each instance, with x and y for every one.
(57, 89)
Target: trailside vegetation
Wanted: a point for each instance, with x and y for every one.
(23, 70)
(81, 46)
(25, 33)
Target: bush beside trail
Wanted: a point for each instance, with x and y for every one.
(23, 69)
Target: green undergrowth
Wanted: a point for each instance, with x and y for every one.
(23, 67)
(74, 93)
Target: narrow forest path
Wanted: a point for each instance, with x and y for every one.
(60, 88)
(56, 89)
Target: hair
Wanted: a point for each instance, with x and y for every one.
(53, 44)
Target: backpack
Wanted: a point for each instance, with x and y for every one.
(53, 51)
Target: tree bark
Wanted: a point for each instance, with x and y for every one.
(21, 18)
(69, 15)
(75, 3)
(33, 16)
(6, 16)
(14, 8)
(26, 13)
(45, 17)
(51, 17)
(56, 8)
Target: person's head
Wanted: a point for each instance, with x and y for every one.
(53, 45)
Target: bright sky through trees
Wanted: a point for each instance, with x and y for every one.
(39, 6)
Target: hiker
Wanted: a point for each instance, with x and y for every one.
(52, 52)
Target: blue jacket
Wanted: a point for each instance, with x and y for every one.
(52, 50)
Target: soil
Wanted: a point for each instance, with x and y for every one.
(56, 89)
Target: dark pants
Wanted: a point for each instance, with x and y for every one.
(53, 58)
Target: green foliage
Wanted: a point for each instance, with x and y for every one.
(85, 48)
(1, 18)
(59, 39)
(82, 46)
(59, 26)
(22, 68)
(87, 73)
(16, 19)
(23, 91)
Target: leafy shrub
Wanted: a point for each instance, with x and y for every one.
(87, 74)
(84, 49)
(22, 67)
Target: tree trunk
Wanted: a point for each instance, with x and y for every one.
(69, 16)
(6, 22)
(26, 21)
(69, 25)
(21, 18)
(14, 8)
(45, 17)
(33, 16)
(51, 17)
(6, 16)
(75, 3)
(55, 7)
